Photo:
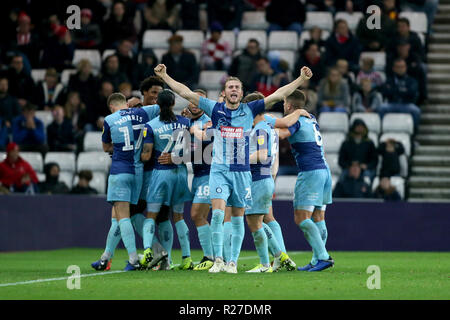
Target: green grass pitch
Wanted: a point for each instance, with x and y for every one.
(404, 275)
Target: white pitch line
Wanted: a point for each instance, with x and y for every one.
(96, 274)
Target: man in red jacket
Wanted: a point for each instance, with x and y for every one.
(15, 173)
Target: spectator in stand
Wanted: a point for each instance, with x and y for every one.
(367, 72)
(181, 63)
(374, 39)
(161, 14)
(315, 34)
(26, 40)
(257, 5)
(386, 191)
(9, 106)
(60, 133)
(342, 44)
(16, 174)
(366, 99)
(118, 27)
(89, 36)
(21, 85)
(4, 139)
(333, 93)
(429, 7)
(267, 81)
(59, 50)
(347, 75)
(85, 83)
(127, 60)
(414, 64)
(401, 92)
(82, 187)
(227, 12)
(390, 152)
(193, 14)
(391, 9)
(243, 66)
(404, 33)
(321, 5)
(111, 72)
(126, 89)
(286, 15)
(28, 131)
(311, 57)
(359, 148)
(352, 185)
(75, 110)
(311, 97)
(216, 52)
(146, 68)
(52, 185)
(101, 107)
(49, 92)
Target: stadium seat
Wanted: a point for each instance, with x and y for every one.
(333, 163)
(65, 160)
(192, 39)
(107, 53)
(417, 20)
(92, 141)
(283, 40)
(286, 55)
(159, 53)
(372, 120)
(197, 54)
(67, 178)
(2, 156)
(284, 187)
(397, 182)
(94, 161)
(93, 56)
(398, 122)
(38, 75)
(65, 75)
(45, 116)
(307, 36)
(228, 36)
(332, 141)
(378, 57)
(211, 80)
(40, 176)
(374, 137)
(246, 35)
(213, 94)
(351, 18)
(334, 180)
(254, 20)
(333, 122)
(323, 20)
(404, 138)
(156, 39)
(98, 181)
(180, 104)
(34, 159)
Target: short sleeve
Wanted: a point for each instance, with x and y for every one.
(106, 133)
(148, 134)
(207, 105)
(152, 111)
(270, 120)
(257, 106)
(294, 128)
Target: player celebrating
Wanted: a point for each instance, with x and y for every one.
(230, 177)
(313, 186)
(168, 184)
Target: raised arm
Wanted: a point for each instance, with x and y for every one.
(177, 87)
(291, 119)
(286, 90)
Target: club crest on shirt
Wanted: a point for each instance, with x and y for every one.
(145, 132)
(260, 140)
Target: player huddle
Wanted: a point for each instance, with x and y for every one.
(233, 148)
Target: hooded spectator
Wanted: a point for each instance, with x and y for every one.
(52, 185)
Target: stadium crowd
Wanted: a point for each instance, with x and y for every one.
(35, 36)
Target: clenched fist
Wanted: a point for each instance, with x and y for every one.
(160, 70)
(306, 73)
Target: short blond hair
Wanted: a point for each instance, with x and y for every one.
(232, 79)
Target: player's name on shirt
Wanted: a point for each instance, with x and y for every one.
(130, 117)
(170, 127)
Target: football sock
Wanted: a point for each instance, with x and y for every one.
(183, 238)
(165, 231)
(227, 229)
(217, 232)
(261, 245)
(127, 233)
(149, 232)
(274, 246)
(276, 229)
(312, 235)
(323, 234)
(204, 236)
(137, 221)
(237, 236)
(112, 240)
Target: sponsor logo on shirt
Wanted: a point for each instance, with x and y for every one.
(232, 132)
